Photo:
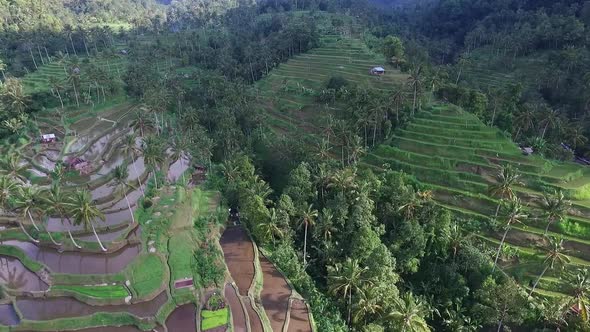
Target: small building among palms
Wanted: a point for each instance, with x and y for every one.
(377, 71)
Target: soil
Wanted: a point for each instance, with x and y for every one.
(14, 275)
(76, 262)
(183, 319)
(64, 307)
(275, 294)
(299, 320)
(237, 312)
(255, 322)
(239, 257)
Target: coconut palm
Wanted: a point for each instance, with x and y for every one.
(120, 177)
(15, 97)
(27, 201)
(554, 207)
(325, 227)
(408, 313)
(554, 255)
(56, 203)
(307, 220)
(367, 305)
(141, 123)
(8, 189)
(506, 178)
(84, 212)
(457, 238)
(550, 120)
(514, 215)
(576, 137)
(153, 155)
(3, 68)
(525, 120)
(347, 278)
(270, 227)
(580, 290)
(129, 148)
(415, 82)
(11, 165)
(180, 151)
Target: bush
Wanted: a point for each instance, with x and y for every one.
(336, 82)
(215, 302)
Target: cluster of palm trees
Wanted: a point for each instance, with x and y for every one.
(29, 202)
(350, 279)
(554, 209)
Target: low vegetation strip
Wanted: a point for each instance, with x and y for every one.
(98, 292)
(214, 319)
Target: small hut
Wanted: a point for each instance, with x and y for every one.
(48, 138)
(527, 151)
(377, 71)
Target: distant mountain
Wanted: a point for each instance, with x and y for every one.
(397, 3)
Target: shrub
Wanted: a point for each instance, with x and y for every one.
(336, 82)
(215, 302)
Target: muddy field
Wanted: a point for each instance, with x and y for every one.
(183, 319)
(237, 312)
(275, 294)
(299, 319)
(239, 257)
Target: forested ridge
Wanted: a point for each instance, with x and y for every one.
(407, 166)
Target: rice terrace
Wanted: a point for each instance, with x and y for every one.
(294, 166)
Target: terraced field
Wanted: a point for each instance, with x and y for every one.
(39, 80)
(455, 154)
(287, 94)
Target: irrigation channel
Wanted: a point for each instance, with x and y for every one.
(251, 270)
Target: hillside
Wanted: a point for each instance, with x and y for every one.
(458, 156)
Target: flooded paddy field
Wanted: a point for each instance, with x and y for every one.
(14, 275)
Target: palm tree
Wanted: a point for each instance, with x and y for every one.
(576, 137)
(415, 82)
(56, 203)
(464, 60)
(55, 87)
(129, 148)
(554, 255)
(554, 207)
(408, 313)
(506, 178)
(514, 215)
(457, 238)
(368, 304)
(120, 176)
(270, 227)
(307, 220)
(11, 165)
(180, 151)
(347, 278)
(141, 123)
(84, 212)
(325, 228)
(550, 119)
(153, 155)
(30, 200)
(13, 92)
(525, 119)
(74, 79)
(9, 190)
(580, 290)
(3, 68)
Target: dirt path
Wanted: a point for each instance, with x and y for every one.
(237, 311)
(299, 320)
(239, 257)
(275, 294)
(255, 322)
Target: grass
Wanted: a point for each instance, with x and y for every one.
(98, 292)
(146, 274)
(213, 319)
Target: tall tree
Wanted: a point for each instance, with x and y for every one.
(129, 148)
(121, 184)
(502, 189)
(29, 202)
(307, 220)
(84, 212)
(408, 314)
(554, 256)
(56, 203)
(153, 155)
(554, 207)
(347, 278)
(514, 215)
